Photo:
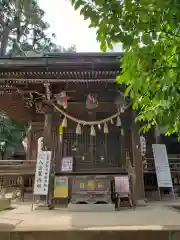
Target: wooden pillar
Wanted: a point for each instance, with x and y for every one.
(150, 139)
(156, 135)
(29, 144)
(137, 165)
(48, 128)
(59, 151)
(123, 134)
(22, 188)
(48, 146)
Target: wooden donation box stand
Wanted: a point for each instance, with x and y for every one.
(82, 189)
(91, 189)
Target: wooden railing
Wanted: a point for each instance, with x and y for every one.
(174, 164)
(15, 167)
(24, 167)
(19, 174)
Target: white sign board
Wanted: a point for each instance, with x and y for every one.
(42, 173)
(67, 164)
(162, 166)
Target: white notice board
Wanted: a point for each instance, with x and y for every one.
(41, 182)
(162, 166)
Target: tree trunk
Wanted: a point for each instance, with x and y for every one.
(2, 155)
(4, 41)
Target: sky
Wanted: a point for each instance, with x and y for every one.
(69, 26)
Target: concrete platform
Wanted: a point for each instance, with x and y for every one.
(5, 204)
(157, 216)
(91, 207)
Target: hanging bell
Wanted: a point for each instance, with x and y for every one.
(78, 129)
(64, 122)
(99, 126)
(118, 122)
(106, 128)
(93, 132)
(122, 109)
(112, 121)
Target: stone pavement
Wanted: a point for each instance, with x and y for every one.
(156, 221)
(155, 216)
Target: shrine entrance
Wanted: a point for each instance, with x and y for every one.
(75, 105)
(94, 153)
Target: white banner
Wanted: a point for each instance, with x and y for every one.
(41, 182)
(162, 166)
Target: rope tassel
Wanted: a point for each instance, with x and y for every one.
(106, 128)
(118, 122)
(122, 132)
(93, 132)
(78, 129)
(64, 122)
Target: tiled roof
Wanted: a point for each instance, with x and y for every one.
(74, 67)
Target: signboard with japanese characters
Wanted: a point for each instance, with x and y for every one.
(67, 164)
(42, 173)
(162, 166)
(61, 187)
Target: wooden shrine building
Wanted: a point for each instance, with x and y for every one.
(73, 102)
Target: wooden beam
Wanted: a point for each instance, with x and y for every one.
(137, 164)
(47, 141)
(48, 128)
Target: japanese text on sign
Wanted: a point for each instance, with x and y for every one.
(162, 166)
(67, 164)
(42, 173)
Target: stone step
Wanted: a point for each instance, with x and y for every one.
(91, 207)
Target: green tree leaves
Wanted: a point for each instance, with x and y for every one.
(78, 4)
(23, 29)
(10, 134)
(146, 39)
(99, 2)
(149, 32)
